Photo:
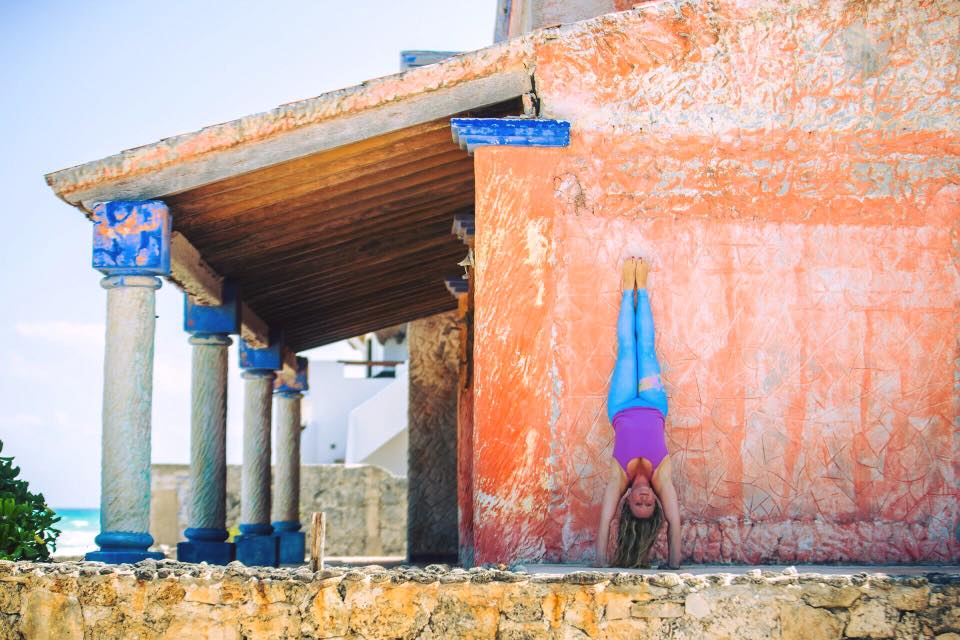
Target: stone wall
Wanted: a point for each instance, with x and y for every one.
(167, 600)
(366, 506)
(432, 424)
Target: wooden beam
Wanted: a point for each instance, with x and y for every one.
(289, 369)
(301, 141)
(253, 330)
(189, 272)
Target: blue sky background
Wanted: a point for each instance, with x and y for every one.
(84, 80)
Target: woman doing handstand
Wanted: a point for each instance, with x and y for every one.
(640, 480)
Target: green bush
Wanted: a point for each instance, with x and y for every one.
(26, 522)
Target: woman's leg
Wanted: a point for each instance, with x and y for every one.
(650, 387)
(623, 384)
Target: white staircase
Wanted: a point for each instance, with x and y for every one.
(377, 428)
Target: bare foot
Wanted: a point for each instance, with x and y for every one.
(629, 271)
(643, 268)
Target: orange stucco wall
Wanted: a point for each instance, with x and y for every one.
(791, 171)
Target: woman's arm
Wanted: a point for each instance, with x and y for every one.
(671, 512)
(616, 485)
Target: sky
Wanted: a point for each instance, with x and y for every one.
(84, 80)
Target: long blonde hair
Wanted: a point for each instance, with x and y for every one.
(635, 536)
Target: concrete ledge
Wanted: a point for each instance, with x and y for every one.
(167, 599)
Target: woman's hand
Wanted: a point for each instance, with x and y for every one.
(671, 513)
(616, 483)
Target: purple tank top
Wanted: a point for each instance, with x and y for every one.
(639, 433)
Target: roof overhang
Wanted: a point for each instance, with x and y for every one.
(332, 215)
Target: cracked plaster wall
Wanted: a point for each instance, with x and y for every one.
(791, 171)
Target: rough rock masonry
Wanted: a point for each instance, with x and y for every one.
(165, 599)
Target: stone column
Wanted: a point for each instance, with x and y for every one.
(131, 246)
(432, 529)
(257, 546)
(289, 389)
(207, 533)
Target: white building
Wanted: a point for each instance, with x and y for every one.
(358, 411)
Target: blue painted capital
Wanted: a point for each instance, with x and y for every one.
(293, 385)
(471, 133)
(223, 319)
(131, 238)
(269, 358)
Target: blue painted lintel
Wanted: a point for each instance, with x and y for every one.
(131, 237)
(471, 133)
(223, 319)
(270, 358)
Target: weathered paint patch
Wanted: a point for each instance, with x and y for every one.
(471, 133)
(131, 238)
(223, 318)
(293, 381)
(269, 358)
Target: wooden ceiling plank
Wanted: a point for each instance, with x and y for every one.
(318, 268)
(293, 230)
(349, 288)
(352, 246)
(319, 178)
(346, 155)
(395, 169)
(310, 341)
(434, 263)
(375, 318)
(363, 190)
(285, 315)
(366, 220)
(370, 307)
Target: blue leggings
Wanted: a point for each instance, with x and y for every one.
(636, 377)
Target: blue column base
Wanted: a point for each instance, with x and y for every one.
(123, 547)
(122, 557)
(293, 542)
(209, 552)
(257, 546)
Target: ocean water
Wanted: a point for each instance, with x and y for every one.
(78, 528)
